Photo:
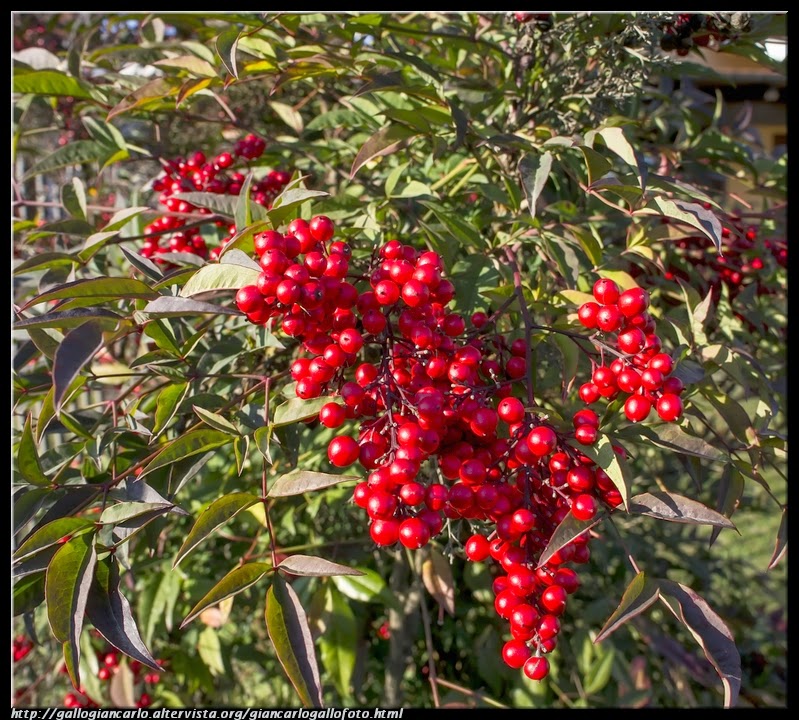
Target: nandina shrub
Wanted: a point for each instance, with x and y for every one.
(388, 319)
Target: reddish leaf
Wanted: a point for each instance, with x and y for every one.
(676, 508)
(709, 631)
(76, 349)
(288, 630)
(638, 596)
(314, 567)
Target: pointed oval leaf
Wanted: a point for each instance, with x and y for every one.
(120, 689)
(192, 443)
(216, 421)
(103, 288)
(781, 544)
(290, 199)
(384, 142)
(693, 214)
(569, 528)
(49, 535)
(167, 404)
(42, 261)
(108, 319)
(219, 277)
(534, 171)
(709, 630)
(28, 463)
(77, 153)
(66, 588)
(288, 630)
(673, 437)
(731, 490)
(314, 567)
(676, 508)
(302, 481)
(28, 593)
(109, 611)
(226, 49)
(50, 82)
(338, 643)
(298, 409)
(437, 578)
(638, 596)
(367, 587)
(238, 257)
(153, 90)
(220, 204)
(124, 511)
(164, 307)
(603, 454)
(236, 581)
(215, 515)
(76, 349)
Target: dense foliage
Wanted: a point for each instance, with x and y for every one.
(491, 267)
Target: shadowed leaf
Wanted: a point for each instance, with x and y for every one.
(534, 171)
(76, 349)
(384, 142)
(676, 508)
(314, 567)
(638, 596)
(437, 578)
(569, 528)
(288, 630)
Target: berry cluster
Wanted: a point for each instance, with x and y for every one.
(21, 647)
(640, 369)
(220, 175)
(429, 390)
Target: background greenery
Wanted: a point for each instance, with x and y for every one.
(566, 138)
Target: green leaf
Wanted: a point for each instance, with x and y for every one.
(219, 277)
(124, 511)
(709, 630)
(309, 566)
(597, 165)
(167, 404)
(288, 115)
(247, 212)
(297, 409)
(692, 214)
(43, 261)
(638, 596)
(226, 49)
(287, 202)
(219, 204)
(236, 581)
(210, 650)
(575, 297)
(105, 133)
(76, 153)
(193, 64)
(50, 534)
(337, 644)
(385, 141)
(109, 611)
(215, 515)
(569, 528)
(28, 463)
(302, 481)
(66, 590)
(603, 454)
(51, 82)
(154, 90)
(76, 349)
(616, 141)
(534, 171)
(368, 587)
(735, 417)
(465, 233)
(216, 421)
(73, 198)
(158, 600)
(731, 490)
(599, 673)
(781, 544)
(28, 593)
(192, 443)
(676, 508)
(102, 288)
(288, 630)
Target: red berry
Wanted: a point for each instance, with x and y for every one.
(553, 599)
(511, 410)
(542, 440)
(637, 408)
(414, 533)
(584, 507)
(536, 668)
(608, 318)
(515, 653)
(587, 314)
(606, 291)
(321, 228)
(343, 451)
(633, 302)
(669, 407)
(332, 415)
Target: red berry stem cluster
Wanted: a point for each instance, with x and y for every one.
(640, 369)
(430, 391)
(221, 175)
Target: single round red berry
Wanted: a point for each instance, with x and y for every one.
(343, 451)
(606, 291)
